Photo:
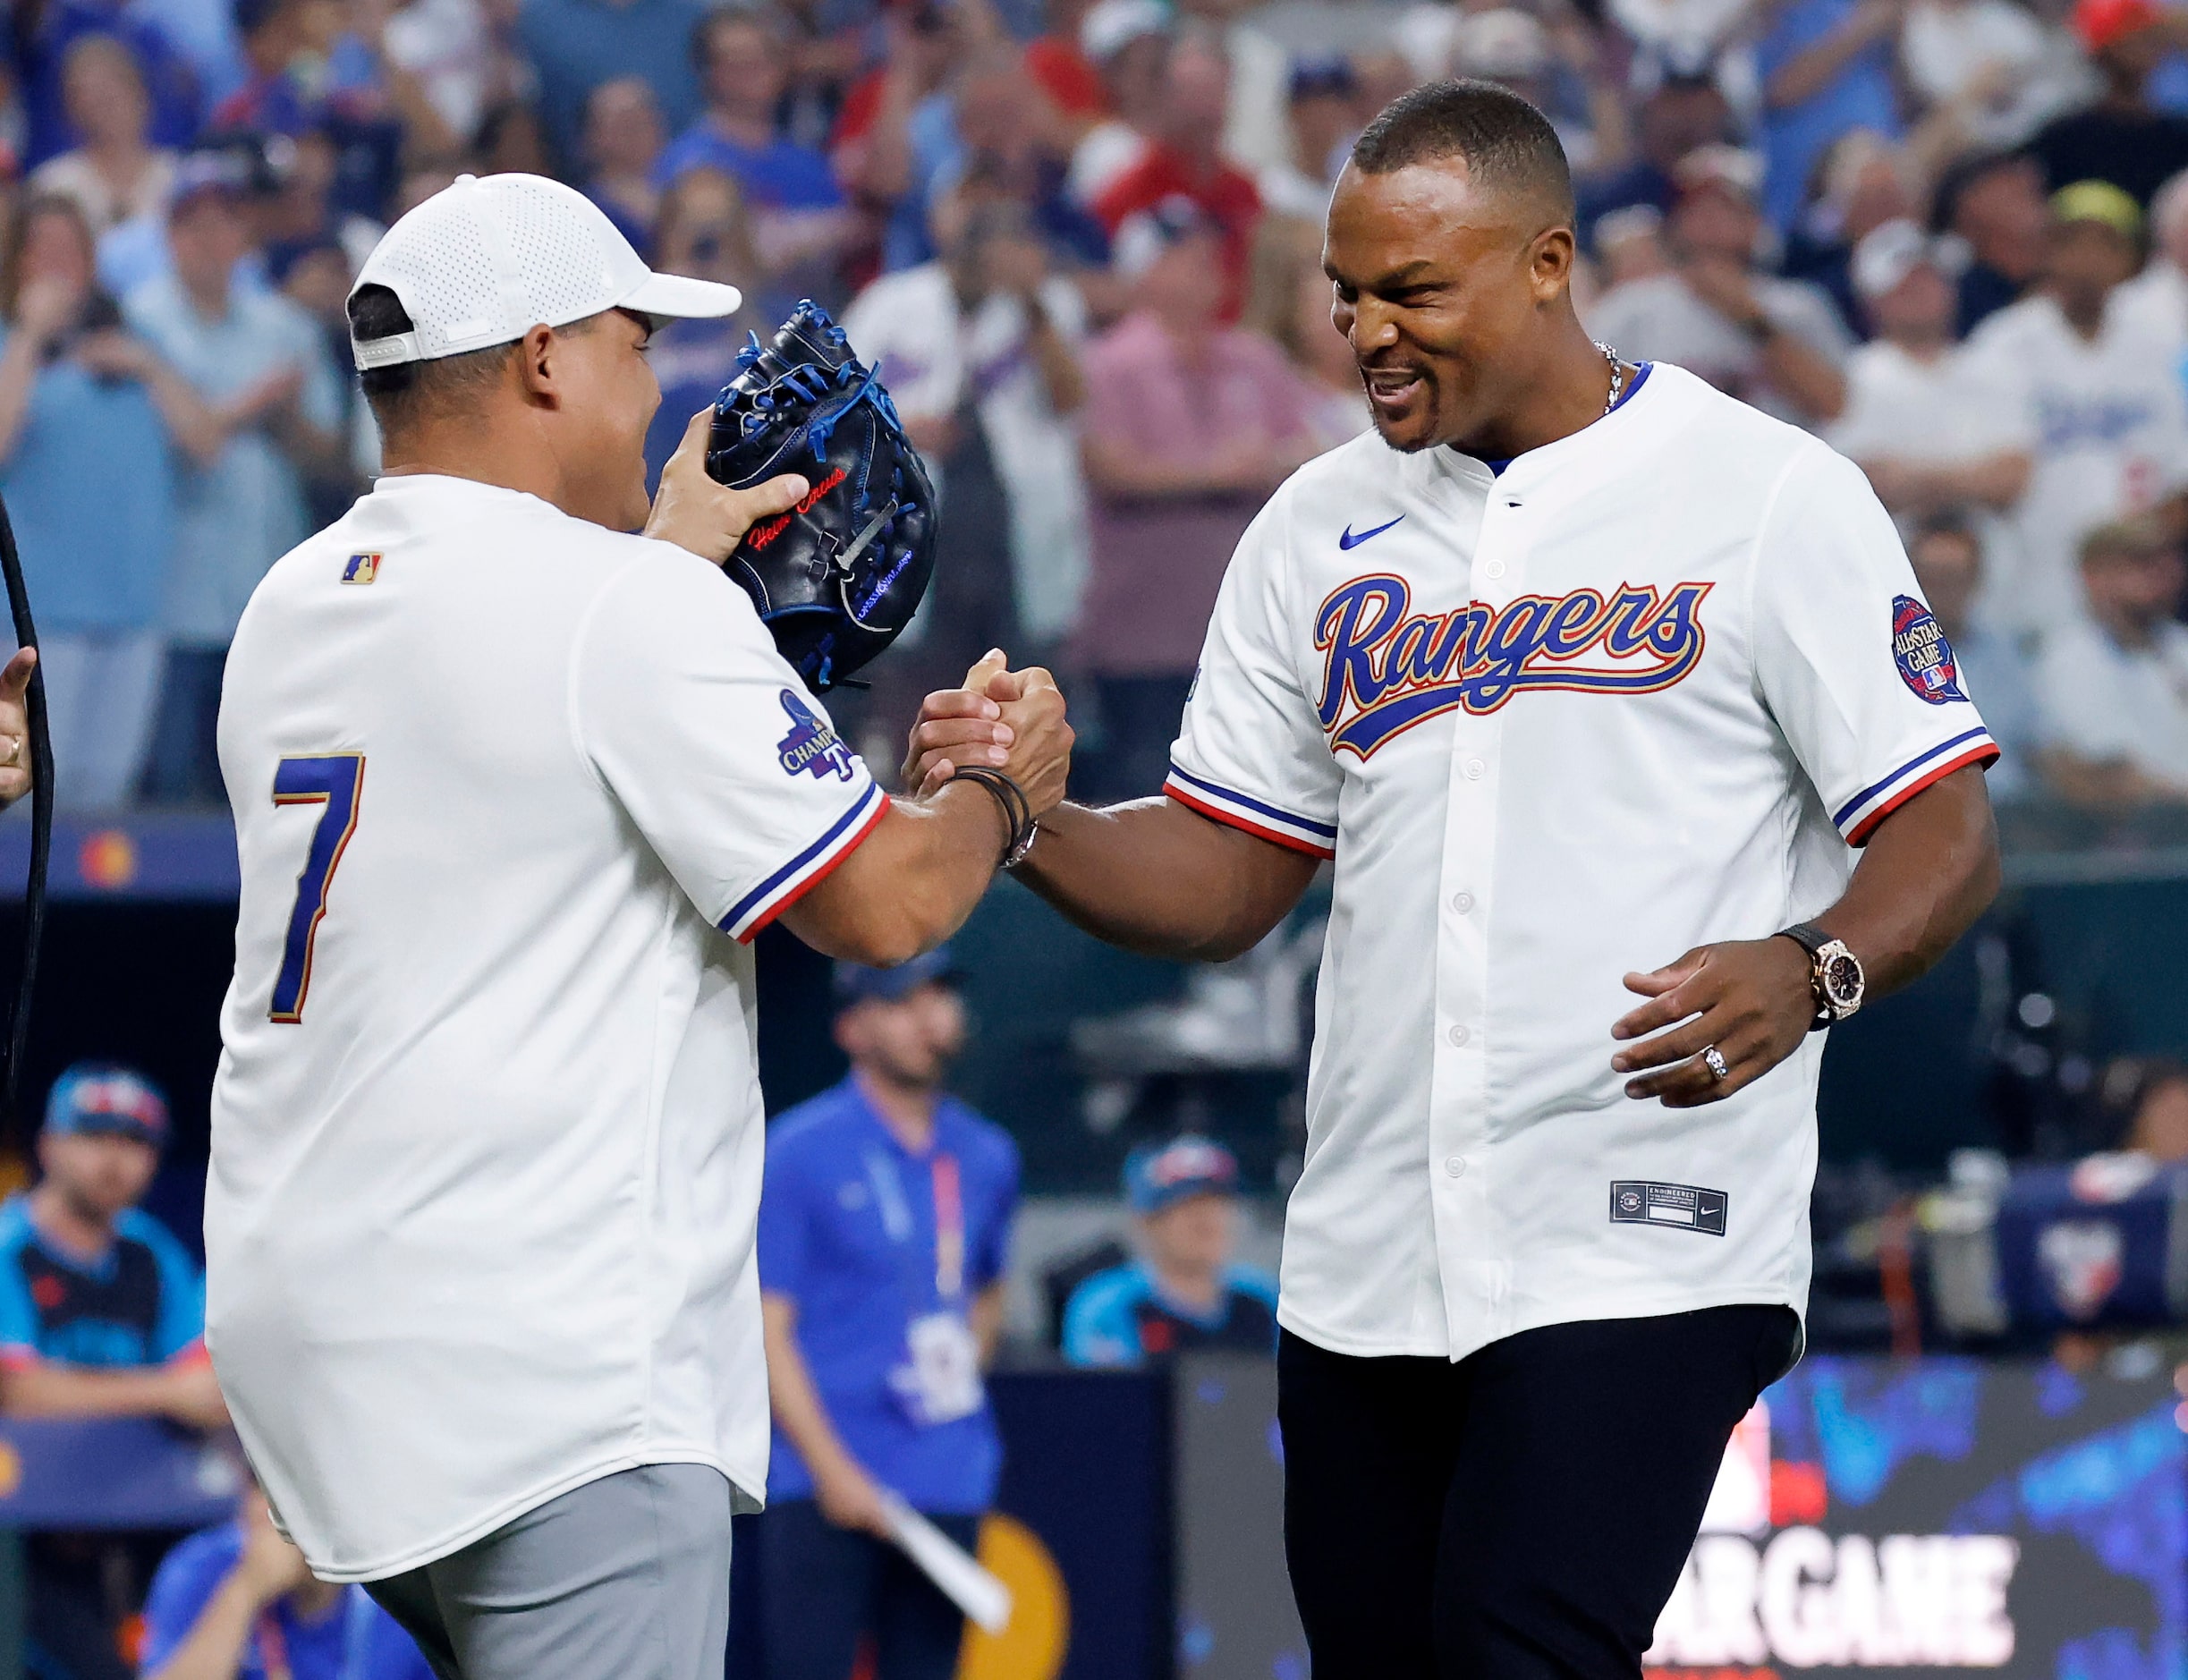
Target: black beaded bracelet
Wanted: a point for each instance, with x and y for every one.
(1017, 810)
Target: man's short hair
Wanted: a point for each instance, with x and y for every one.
(2133, 539)
(1508, 145)
(1951, 522)
(410, 391)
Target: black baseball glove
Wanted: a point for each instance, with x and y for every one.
(839, 576)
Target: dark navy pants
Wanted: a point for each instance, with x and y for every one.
(823, 1590)
(1520, 1514)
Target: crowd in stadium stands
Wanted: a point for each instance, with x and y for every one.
(1951, 236)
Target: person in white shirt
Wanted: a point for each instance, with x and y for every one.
(1128, 43)
(1590, 681)
(1776, 343)
(1922, 419)
(513, 790)
(2112, 421)
(988, 335)
(2156, 300)
(2113, 686)
(113, 174)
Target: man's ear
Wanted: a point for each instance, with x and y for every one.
(1550, 262)
(538, 362)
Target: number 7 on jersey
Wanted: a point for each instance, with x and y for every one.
(336, 781)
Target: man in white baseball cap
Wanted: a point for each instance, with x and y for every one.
(486, 1129)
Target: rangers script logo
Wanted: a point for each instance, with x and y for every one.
(1385, 668)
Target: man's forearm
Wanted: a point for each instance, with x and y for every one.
(41, 1388)
(1928, 871)
(215, 1648)
(911, 884)
(796, 1403)
(1154, 877)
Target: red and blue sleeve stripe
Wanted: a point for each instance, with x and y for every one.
(807, 869)
(1257, 817)
(1858, 818)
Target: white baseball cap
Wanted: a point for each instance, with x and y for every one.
(482, 262)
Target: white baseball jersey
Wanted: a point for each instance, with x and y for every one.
(1640, 692)
(486, 1131)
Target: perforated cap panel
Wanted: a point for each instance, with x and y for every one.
(484, 261)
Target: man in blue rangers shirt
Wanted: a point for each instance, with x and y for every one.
(101, 1315)
(1183, 1294)
(883, 1230)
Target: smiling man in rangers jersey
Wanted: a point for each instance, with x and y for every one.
(1575, 667)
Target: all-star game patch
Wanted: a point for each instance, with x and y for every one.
(1924, 656)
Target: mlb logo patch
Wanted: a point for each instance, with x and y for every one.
(1924, 656)
(361, 568)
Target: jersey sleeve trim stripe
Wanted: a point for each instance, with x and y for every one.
(1877, 803)
(1236, 811)
(805, 871)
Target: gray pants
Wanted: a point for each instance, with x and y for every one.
(625, 1578)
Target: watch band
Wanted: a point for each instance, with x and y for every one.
(1811, 939)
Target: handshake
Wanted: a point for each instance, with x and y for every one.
(1001, 720)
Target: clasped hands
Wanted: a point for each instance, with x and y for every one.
(1001, 719)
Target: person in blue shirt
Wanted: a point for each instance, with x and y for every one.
(884, 1227)
(237, 1603)
(1183, 1294)
(575, 46)
(101, 1315)
(1825, 68)
(743, 59)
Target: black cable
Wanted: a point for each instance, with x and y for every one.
(13, 1133)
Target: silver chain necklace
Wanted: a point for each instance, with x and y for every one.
(1618, 376)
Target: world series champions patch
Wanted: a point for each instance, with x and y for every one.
(1922, 653)
(811, 748)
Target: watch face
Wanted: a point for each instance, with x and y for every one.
(1842, 980)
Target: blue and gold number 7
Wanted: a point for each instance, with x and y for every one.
(336, 781)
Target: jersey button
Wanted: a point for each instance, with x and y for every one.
(1495, 569)
(1462, 902)
(1456, 1164)
(1474, 768)
(1458, 1035)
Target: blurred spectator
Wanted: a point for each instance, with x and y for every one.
(1060, 67)
(1515, 49)
(316, 275)
(800, 221)
(576, 45)
(2113, 684)
(2113, 426)
(883, 1237)
(1324, 119)
(54, 29)
(1007, 146)
(1128, 43)
(1683, 115)
(1184, 1294)
(101, 1315)
(237, 1603)
(706, 233)
(987, 341)
(1289, 303)
(1255, 134)
(1984, 59)
(1947, 554)
(450, 48)
(1922, 419)
(1189, 425)
(259, 362)
(1184, 159)
(1629, 246)
(1825, 68)
(1675, 38)
(85, 412)
(2120, 137)
(2156, 301)
(1994, 203)
(115, 174)
(513, 142)
(1777, 344)
(623, 149)
(1862, 182)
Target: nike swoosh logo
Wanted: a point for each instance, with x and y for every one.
(1350, 542)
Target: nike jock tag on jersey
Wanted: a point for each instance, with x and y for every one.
(1639, 1201)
